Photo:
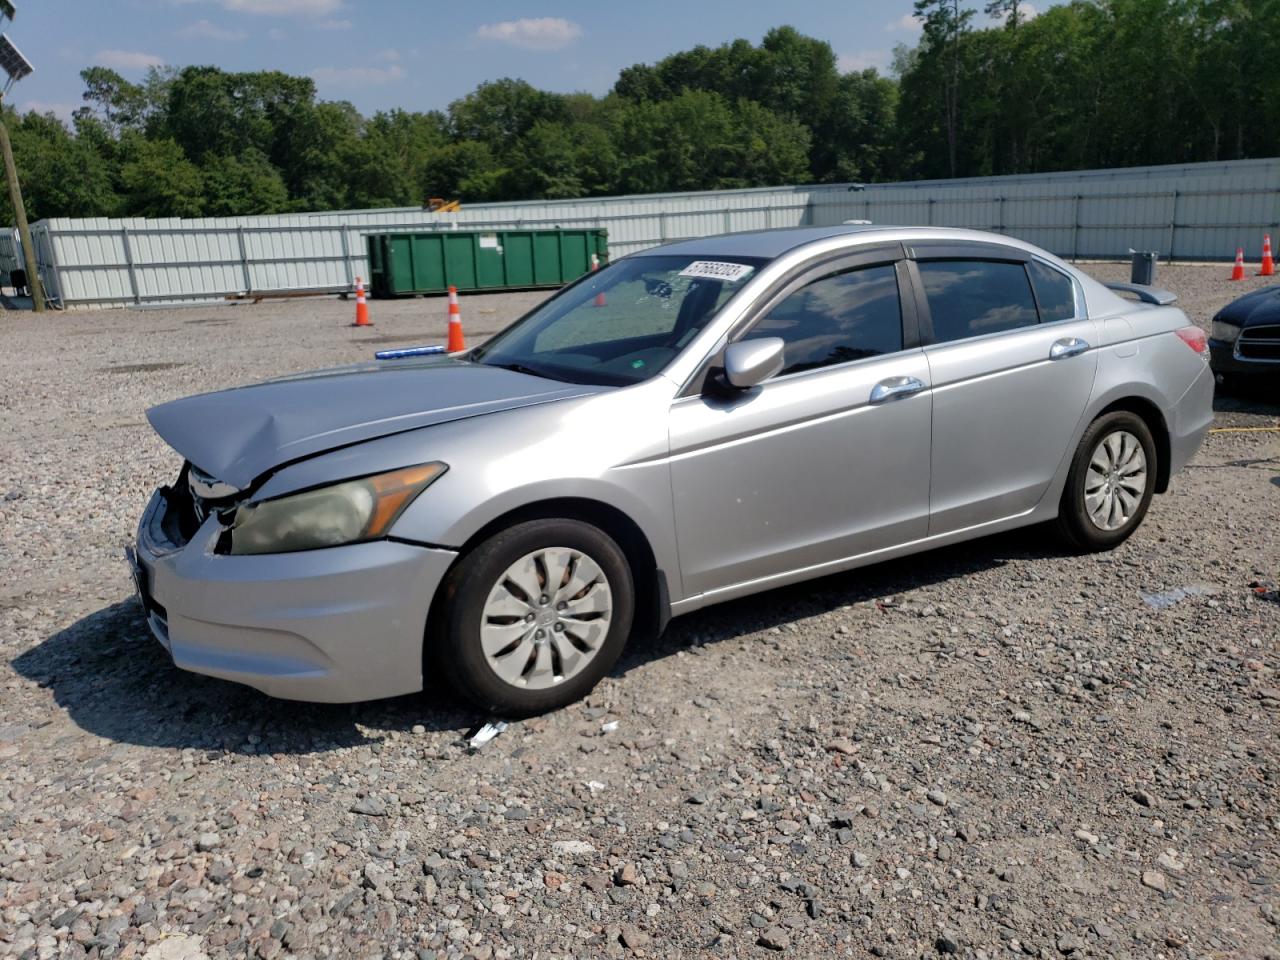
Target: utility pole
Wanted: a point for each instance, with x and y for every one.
(20, 215)
(16, 66)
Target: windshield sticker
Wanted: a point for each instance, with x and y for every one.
(714, 270)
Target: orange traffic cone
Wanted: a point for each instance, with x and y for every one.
(362, 308)
(1237, 272)
(1268, 265)
(456, 343)
(595, 265)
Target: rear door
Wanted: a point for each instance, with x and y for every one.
(1012, 358)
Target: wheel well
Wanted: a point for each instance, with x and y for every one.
(653, 602)
(1154, 420)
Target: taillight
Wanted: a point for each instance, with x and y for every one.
(1194, 338)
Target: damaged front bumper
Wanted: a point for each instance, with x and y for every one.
(339, 624)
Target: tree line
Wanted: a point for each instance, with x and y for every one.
(1091, 83)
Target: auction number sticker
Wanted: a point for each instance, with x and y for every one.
(715, 270)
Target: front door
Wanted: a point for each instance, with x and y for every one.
(827, 460)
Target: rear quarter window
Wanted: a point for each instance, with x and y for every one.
(1055, 292)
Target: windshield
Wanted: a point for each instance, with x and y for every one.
(622, 324)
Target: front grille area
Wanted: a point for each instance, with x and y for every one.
(179, 521)
(185, 510)
(1260, 343)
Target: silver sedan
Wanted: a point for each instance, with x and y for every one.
(697, 422)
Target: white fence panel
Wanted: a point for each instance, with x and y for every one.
(1192, 211)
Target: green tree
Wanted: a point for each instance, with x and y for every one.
(856, 139)
(498, 113)
(463, 170)
(945, 23)
(121, 105)
(158, 180)
(244, 184)
(62, 175)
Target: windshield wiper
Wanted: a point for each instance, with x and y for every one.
(517, 367)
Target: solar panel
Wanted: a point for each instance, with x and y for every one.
(12, 61)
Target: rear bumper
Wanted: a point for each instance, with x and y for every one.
(339, 625)
(1189, 420)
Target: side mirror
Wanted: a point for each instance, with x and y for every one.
(748, 363)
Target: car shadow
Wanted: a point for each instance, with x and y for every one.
(1257, 399)
(782, 605)
(115, 681)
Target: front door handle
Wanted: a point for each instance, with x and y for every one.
(1067, 347)
(894, 388)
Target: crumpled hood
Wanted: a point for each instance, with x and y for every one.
(239, 434)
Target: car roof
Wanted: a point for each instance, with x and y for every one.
(761, 243)
(772, 244)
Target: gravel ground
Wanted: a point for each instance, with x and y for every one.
(989, 751)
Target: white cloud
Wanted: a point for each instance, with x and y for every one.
(532, 33)
(334, 25)
(861, 60)
(387, 56)
(908, 23)
(207, 30)
(1026, 11)
(126, 59)
(358, 76)
(275, 33)
(285, 8)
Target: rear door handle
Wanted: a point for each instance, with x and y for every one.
(894, 388)
(1067, 347)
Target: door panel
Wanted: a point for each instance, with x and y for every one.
(800, 471)
(1004, 415)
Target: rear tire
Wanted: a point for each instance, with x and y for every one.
(1110, 483)
(534, 616)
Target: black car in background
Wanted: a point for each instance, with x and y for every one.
(1244, 343)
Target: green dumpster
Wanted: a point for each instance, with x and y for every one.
(409, 264)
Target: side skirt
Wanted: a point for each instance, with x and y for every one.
(1027, 518)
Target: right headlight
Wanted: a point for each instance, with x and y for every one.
(1226, 332)
(349, 512)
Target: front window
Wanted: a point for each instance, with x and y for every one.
(623, 324)
(837, 318)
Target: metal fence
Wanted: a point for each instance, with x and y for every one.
(1190, 212)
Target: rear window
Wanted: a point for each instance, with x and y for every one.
(972, 298)
(1055, 292)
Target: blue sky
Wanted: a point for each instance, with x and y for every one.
(418, 54)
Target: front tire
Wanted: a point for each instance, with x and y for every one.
(1110, 483)
(534, 616)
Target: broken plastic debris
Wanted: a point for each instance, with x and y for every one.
(1265, 591)
(1169, 597)
(479, 736)
(609, 727)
